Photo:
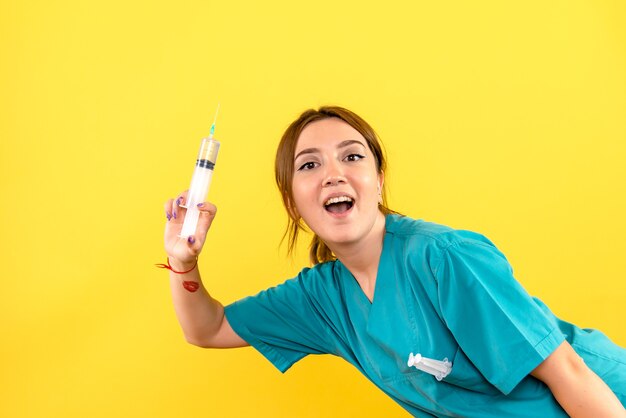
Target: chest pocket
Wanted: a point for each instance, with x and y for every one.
(465, 375)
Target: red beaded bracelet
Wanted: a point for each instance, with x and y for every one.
(169, 267)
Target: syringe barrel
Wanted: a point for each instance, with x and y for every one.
(200, 182)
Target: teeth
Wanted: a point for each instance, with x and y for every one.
(337, 199)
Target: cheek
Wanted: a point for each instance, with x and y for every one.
(304, 192)
(369, 182)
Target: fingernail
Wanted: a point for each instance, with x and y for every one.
(174, 215)
(191, 239)
(178, 201)
(168, 216)
(200, 205)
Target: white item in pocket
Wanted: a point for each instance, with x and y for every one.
(437, 368)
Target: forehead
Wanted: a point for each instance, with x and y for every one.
(330, 131)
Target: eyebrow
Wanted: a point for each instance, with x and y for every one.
(342, 144)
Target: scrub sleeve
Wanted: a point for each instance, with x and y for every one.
(496, 323)
(281, 323)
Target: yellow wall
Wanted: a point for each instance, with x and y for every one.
(508, 119)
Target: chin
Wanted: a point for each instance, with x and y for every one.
(336, 237)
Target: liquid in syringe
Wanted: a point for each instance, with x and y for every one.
(201, 180)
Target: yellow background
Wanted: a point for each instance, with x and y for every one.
(508, 118)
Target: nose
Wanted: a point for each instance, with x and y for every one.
(334, 174)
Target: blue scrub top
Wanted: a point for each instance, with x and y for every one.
(442, 293)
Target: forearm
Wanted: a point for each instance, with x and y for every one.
(586, 395)
(200, 316)
(579, 391)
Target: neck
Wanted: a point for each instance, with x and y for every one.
(361, 258)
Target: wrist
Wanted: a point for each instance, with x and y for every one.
(180, 265)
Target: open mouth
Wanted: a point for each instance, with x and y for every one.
(339, 204)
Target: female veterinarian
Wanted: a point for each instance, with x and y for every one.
(431, 315)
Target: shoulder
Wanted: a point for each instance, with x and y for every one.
(420, 232)
(310, 290)
(427, 245)
(320, 272)
(314, 282)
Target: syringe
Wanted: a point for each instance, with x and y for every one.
(201, 180)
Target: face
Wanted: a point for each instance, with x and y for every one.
(336, 183)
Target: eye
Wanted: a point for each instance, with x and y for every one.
(308, 166)
(354, 157)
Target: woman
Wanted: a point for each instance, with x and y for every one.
(385, 287)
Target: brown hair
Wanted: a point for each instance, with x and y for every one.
(284, 170)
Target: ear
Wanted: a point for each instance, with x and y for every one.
(381, 181)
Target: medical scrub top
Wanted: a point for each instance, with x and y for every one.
(444, 294)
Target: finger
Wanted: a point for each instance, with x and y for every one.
(207, 207)
(183, 199)
(207, 214)
(194, 245)
(168, 209)
(178, 211)
(172, 227)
